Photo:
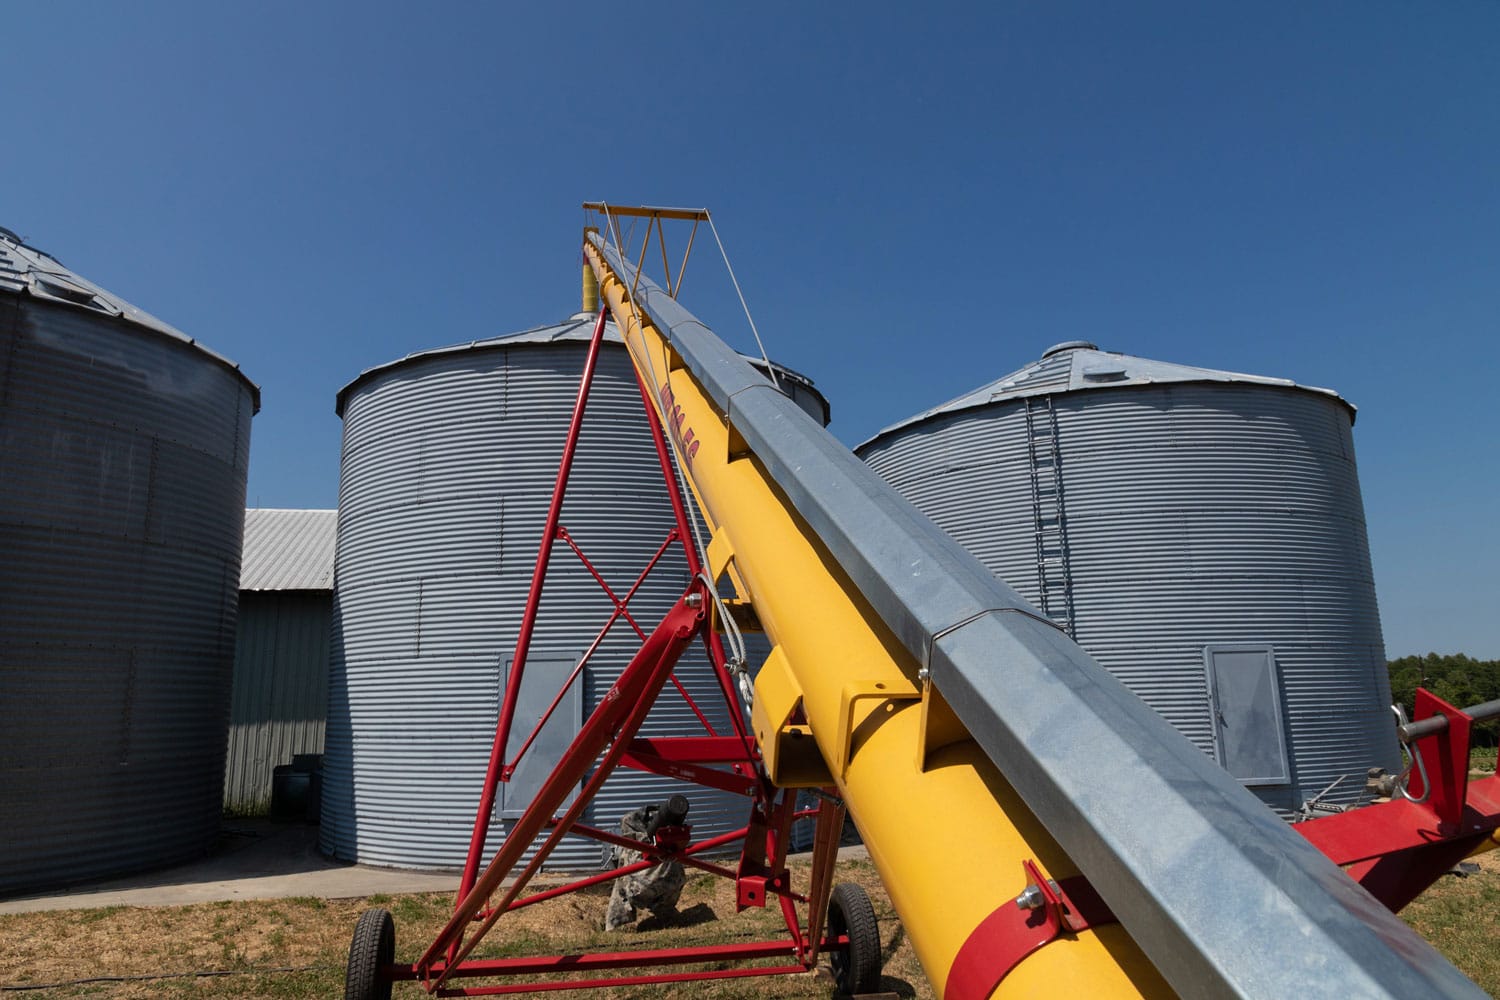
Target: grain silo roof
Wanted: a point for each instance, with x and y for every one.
(25, 270)
(577, 328)
(288, 549)
(1077, 366)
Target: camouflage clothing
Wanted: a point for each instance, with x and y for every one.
(655, 889)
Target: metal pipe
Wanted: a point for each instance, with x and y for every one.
(590, 290)
(1437, 723)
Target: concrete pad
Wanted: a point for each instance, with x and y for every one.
(255, 859)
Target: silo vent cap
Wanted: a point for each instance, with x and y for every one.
(1105, 373)
(1069, 345)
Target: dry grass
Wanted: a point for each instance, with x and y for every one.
(1482, 760)
(1461, 917)
(296, 948)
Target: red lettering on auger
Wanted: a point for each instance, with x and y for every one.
(675, 419)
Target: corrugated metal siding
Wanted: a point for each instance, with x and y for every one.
(280, 700)
(1195, 514)
(288, 549)
(122, 486)
(448, 465)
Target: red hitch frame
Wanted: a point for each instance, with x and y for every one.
(1397, 848)
(609, 739)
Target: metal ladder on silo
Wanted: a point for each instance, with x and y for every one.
(1049, 513)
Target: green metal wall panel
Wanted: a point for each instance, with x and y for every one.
(280, 699)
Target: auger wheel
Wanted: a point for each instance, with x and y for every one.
(856, 969)
(373, 948)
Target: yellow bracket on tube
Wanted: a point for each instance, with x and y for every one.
(855, 692)
(788, 750)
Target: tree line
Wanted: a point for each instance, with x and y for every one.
(1455, 678)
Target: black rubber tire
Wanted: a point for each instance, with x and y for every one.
(857, 969)
(373, 948)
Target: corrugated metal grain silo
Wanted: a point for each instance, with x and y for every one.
(1201, 533)
(448, 465)
(123, 451)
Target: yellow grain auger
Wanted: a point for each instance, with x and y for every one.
(1041, 832)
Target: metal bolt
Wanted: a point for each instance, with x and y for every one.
(1030, 899)
(693, 600)
(924, 675)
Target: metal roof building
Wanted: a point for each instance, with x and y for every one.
(280, 700)
(449, 460)
(288, 549)
(1201, 533)
(123, 458)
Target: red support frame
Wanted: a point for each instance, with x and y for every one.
(1044, 912)
(609, 739)
(1398, 848)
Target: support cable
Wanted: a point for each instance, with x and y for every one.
(738, 660)
(770, 368)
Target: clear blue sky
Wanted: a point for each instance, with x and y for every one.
(915, 202)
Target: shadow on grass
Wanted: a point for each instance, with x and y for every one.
(890, 984)
(889, 951)
(900, 987)
(698, 913)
